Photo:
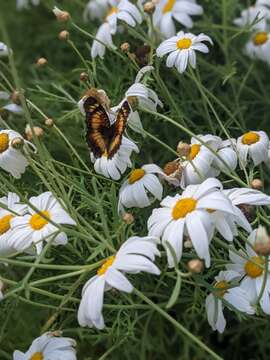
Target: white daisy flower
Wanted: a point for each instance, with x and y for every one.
(4, 50)
(11, 107)
(49, 347)
(182, 49)
(95, 9)
(11, 160)
(226, 224)
(35, 227)
(124, 11)
(258, 47)
(197, 166)
(252, 273)
(188, 214)
(255, 144)
(180, 10)
(139, 95)
(114, 167)
(256, 16)
(135, 255)
(13, 207)
(141, 188)
(235, 296)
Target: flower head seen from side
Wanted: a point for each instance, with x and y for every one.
(11, 159)
(124, 11)
(258, 46)
(141, 188)
(36, 227)
(254, 16)
(13, 207)
(47, 347)
(235, 296)
(13, 107)
(179, 10)
(182, 49)
(251, 268)
(253, 144)
(188, 215)
(139, 96)
(134, 256)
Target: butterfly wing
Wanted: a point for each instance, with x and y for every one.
(118, 129)
(98, 125)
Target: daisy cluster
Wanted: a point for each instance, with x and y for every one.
(194, 209)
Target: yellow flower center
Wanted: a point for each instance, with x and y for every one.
(253, 267)
(183, 207)
(37, 356)
(136, 175)
(250, 138)
(222, 287)
(194, 151)
(37, 221)
(105, 266)
(4, 142)
(113, 10)
(5, 223)
(184, 43)
(168, 6)
(260, 38)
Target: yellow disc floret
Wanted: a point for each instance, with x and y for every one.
(136, 175)
(254, 267)
(260, 38)
(194, 151)
(168, 6)
(183, 207)
(37, 356)
(105, 266)
(250, 138)
(5, 223)
(222, 287)
(184, 43)
(38, 221)
(4, 142)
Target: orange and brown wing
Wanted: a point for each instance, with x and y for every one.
(119, 128)
(98, 124)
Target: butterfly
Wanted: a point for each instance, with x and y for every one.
(104, 138)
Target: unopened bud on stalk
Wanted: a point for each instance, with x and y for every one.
(49, 122)
(15, 97)
(171, 167)
(262, 242)
(183, 149)
(42, 61)
(257, 184)
(17, 143)
(38, 131)
(83, 76)
(125, 47)
(149, 7)
(63, 35)
(128, 218)
(61, 15)
(195, 266)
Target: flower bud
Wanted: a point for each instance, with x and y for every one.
(262, 241)
(171, 167)
(38, 131)
(62, 16)
(195, 266)
(63, 35)
(183, 149)
(15, 97)
(49, 122)
(17, 143)
(42, 61)
(149, 7)
(125, 47)
(257, 184)
(128, 218)
(84, 76)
